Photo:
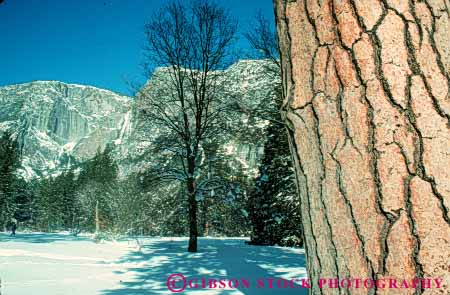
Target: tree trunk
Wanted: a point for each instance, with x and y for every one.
(192, 203)
(206, 228)
(367, 106)
(205, 224)
(192, 217)
(97, 219)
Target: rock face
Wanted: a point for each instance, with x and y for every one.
(246, 83)
(368, 106)
(57, 122)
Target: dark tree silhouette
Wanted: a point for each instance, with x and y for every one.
(192, 43)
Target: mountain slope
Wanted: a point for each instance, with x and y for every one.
(56, 122)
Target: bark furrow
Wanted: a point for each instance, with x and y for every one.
(367, 101)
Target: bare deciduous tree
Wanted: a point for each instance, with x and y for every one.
(263, 39)
(193, 45)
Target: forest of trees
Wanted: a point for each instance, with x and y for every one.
(192, 186)
(355, 138)
(14, 198)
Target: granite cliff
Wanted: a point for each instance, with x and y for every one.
(57, 122)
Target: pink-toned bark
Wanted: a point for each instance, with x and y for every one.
(367, 104)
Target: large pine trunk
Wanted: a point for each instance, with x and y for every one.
(367, 103)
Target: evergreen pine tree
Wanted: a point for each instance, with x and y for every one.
(50, 215)
(65, 185)
(273, 208)
(23, 200)
(96, 183)
(9, 162)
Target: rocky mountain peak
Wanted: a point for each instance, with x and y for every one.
(56, 121)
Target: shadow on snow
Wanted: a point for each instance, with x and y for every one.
(41, 238)
(217, 259)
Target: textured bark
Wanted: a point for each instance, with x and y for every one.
(367, 104)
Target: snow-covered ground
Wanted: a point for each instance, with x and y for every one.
(50, 264)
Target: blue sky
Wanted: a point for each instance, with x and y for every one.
(92, 42)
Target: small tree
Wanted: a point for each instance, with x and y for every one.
(192, 43)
